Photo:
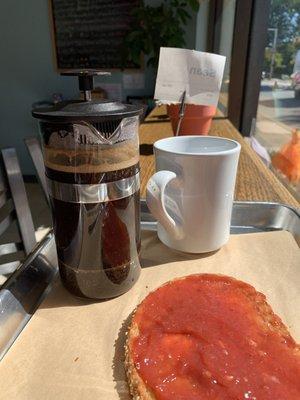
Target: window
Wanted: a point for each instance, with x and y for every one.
(278, 113)
(214, 33)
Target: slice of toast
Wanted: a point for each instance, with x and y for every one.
(262, 361)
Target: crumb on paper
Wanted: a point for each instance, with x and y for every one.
(76, 359)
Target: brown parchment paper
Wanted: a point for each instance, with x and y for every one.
(72, 349)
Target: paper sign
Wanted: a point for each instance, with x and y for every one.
(199, 74)
(73, 349)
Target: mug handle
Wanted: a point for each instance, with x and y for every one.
(155, 198)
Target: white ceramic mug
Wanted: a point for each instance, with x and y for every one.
(191, 194)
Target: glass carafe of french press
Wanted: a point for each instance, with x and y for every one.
(91, 156)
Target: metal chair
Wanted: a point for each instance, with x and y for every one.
(34, 148)
(14, 209)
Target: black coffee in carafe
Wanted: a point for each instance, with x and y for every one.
(91, 156)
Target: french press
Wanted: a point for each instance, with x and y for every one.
(91, 156)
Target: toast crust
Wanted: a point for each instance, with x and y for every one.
(137, 387)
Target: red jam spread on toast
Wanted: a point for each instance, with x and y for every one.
(213, 337)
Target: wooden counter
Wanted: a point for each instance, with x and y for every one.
(254, 180)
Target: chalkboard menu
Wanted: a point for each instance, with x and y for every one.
(90, 33)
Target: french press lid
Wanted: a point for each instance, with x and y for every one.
(86, 110)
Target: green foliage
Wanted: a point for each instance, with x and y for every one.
(279, 67)
(155, 27)
(285, 16)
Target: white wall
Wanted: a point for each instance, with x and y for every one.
(28, 73)
(227, 26)
(201, 26)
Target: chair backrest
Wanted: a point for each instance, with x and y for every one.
(14, 209)
(34, 148)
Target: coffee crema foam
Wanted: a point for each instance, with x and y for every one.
(92, 160)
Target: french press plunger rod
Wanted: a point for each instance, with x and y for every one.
(86, 81)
